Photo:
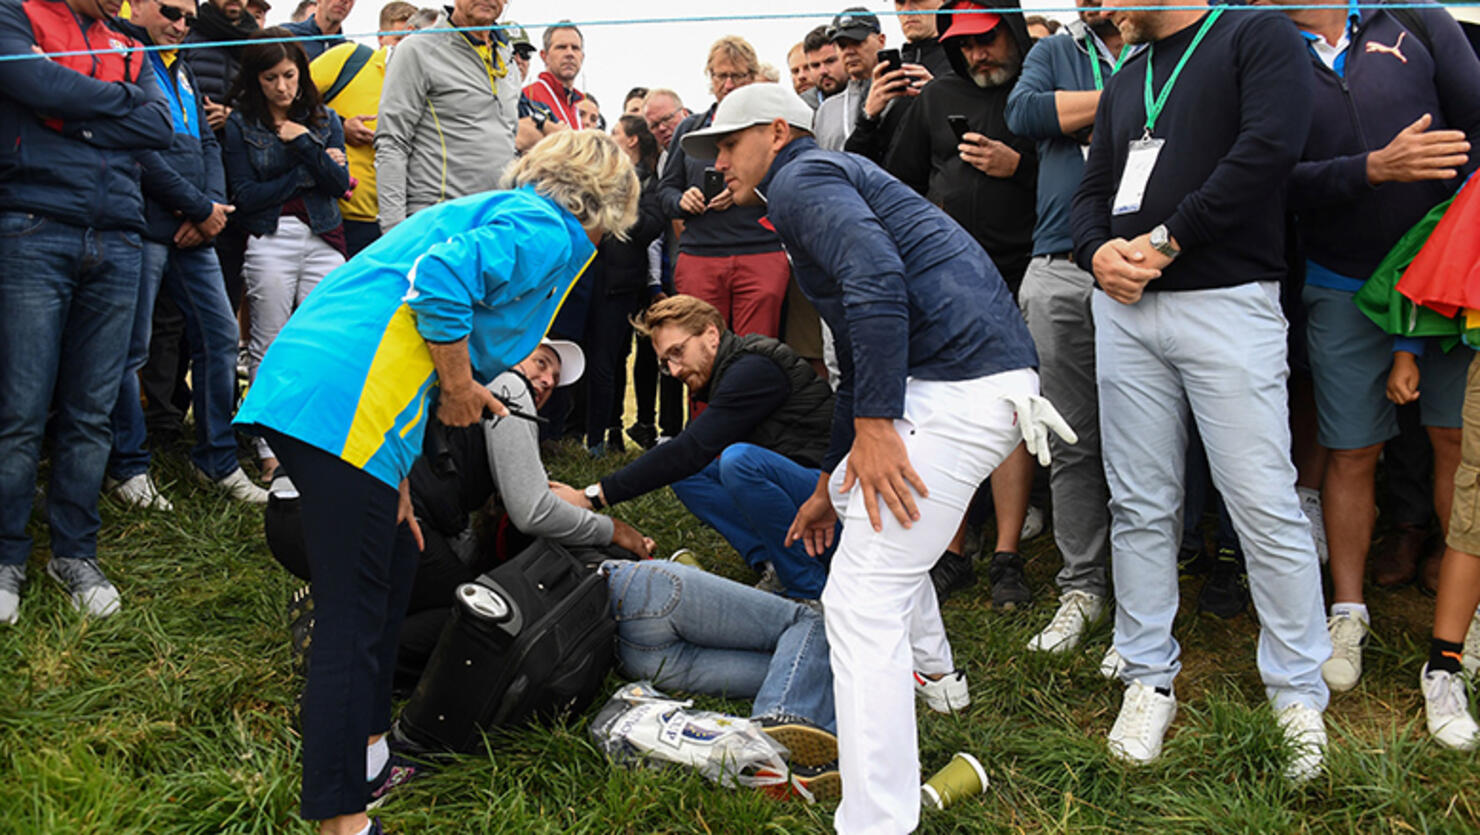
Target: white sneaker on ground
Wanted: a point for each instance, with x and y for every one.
(1077, 610)
(948, 694)
(237, 485)
(12, 577)
(1305, 732)
(1471, 659)
(1144, 718)
(1112, 665)
(1447, 708)
(1033, 523)
(139, 491)
(86, 583)
(1343, 669)
(1310, 503)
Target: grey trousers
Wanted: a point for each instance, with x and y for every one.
(1055, 299)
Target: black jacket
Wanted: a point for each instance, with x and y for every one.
(623, 265)
(735, 231)
(998, 212)
(215, 66)
(872, 137)
(802, 427)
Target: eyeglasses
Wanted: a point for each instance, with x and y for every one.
(732, 77)
(174, 15)
(666, 120)
(674, 355)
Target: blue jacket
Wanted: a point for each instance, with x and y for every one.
(906, 291)
(266, 172)
(309, 27)
(71, 126)
(1054, 64)
(351, 373)
(187, 177)
(1347, 225)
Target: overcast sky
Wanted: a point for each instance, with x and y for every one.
(619, 57)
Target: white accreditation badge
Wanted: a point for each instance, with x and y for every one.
(1139, 164)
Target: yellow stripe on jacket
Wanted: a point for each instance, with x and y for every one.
(399, 373)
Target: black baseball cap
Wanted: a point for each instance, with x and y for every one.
(854, 24)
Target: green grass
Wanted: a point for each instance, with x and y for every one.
(175, 715)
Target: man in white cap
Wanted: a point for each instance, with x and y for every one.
(937, 387)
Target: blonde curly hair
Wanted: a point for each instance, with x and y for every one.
(587, 174)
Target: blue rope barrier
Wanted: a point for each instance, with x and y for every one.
(715, 18)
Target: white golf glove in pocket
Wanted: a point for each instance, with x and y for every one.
(1036, 416)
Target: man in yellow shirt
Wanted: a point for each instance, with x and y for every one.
(349, 77)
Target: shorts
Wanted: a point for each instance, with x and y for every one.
(1350, 357)
(1464, 517)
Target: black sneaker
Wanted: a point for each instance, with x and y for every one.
(644, 435)
(1009, 586)
(1193, 563)
(398, 771)
(1226, 591)
(809, 744)
(952, 573)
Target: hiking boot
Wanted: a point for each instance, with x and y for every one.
(1144, 718)
(12, 577)
(1447, 709)
(1225, 594)
(1077, 610)
(1396, 563)
(236, 485)
(644, 435)
(951, 573)
(809, 744)
(1193, 562)
(947, 694)
(1305, 733)
(1343, 669)
(1009, 586)
(139, 491)
(86, 583)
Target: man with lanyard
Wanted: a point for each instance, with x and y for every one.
(932, 397)
(185, 209)
(1180, 218)
(1392, 128)
(858, 38)
(1054, 103)
(448, 113)
(563, 55)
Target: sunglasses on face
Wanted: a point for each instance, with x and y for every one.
(986, 38)
(174, 15)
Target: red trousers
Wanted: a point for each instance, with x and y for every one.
(747, 289)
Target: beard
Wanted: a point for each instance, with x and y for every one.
(1134, 31)
(996, 75)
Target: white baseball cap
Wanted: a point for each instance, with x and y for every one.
(753, 104)
(572, 360)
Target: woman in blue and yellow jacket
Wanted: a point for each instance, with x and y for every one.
(421, 319)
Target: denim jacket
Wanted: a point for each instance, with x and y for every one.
(906, 291)
(263, 172)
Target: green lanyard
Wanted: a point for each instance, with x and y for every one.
(1154, 107)
(1094, 62)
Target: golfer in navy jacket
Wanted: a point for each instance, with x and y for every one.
(938, 386)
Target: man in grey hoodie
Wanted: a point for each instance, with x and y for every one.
(858, 37)
(448, 113)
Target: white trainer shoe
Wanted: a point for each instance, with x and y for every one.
(139, 491)
(1447, 708)
(1305, 733)
(1471, 659)
(237, 485)
(1112, 665)
(948, 694)
(1033, 524)
(1343, 669)
(1144, 718)
(1310, 503)
(1077, 610)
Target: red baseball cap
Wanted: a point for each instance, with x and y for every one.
(978, 23)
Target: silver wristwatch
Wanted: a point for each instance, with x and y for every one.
(1161, 241)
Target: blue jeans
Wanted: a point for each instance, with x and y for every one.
(685, 629)
(67, 297)
(192, 278)
(750, 495)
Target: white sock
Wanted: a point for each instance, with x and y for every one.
(1358, 609)
(375, 759)
(1303, 492)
